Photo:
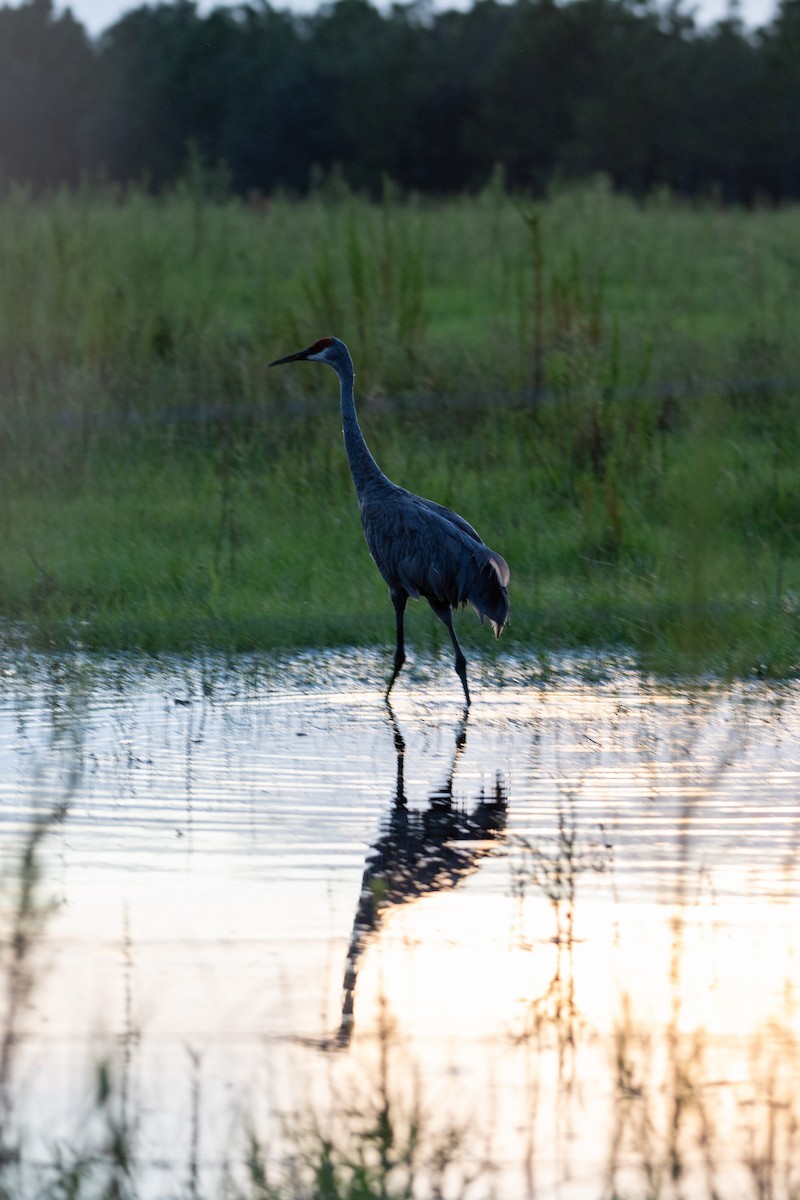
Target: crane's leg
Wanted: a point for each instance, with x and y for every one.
(399, 600)
(445, 614)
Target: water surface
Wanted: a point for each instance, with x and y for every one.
(566, 924)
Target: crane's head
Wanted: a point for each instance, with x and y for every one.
(328, 350)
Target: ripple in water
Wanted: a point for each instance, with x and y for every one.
(575, 909)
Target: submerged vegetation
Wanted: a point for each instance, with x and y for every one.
(608, 390)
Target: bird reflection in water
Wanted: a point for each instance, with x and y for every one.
(420, 852)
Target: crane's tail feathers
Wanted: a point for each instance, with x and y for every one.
(501, 567)
(497, 627)
(488, 595)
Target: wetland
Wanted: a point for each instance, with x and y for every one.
(262, 936)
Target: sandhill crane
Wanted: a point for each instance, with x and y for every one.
(419, 547)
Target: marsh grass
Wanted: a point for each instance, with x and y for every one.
(23, 914)
(678, 1119)
(607, 390)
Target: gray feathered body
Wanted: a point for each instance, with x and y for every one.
(427, 550)
(420, 548)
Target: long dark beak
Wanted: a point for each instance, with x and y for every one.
(300, 356)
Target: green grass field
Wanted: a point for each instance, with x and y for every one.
(607, 390)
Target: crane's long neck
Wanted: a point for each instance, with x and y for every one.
(363, 467)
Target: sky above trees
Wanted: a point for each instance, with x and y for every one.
(97, 15)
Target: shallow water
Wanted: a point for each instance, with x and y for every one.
(569, 921)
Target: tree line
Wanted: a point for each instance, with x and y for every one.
(434, 100)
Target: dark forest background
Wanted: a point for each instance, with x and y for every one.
(433, 100)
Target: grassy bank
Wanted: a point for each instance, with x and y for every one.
(609, 392)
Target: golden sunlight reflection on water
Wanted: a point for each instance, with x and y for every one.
(569, 921)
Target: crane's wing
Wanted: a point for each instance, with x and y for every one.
(429, 551)
(500, 563)
(448, 514)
